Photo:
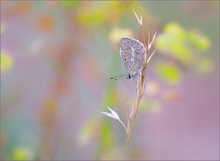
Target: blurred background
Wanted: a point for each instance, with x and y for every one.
(56, 61)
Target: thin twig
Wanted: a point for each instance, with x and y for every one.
(140, 88)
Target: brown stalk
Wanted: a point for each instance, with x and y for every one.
(140, 88)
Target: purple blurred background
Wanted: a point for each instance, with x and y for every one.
(58, 57)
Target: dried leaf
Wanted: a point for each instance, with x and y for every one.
(113, 115)
(148, 60)
(109, 115)
(138, 19)
(151, 42)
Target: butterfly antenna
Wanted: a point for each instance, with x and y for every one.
(115, 78)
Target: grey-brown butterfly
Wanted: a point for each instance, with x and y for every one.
(132, 53)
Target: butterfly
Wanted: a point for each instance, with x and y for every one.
(132, 53)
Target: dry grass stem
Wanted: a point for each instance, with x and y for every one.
(140, 88)
(138, 19)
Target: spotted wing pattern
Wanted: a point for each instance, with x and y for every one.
(132, 53)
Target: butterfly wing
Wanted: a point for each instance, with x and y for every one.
(132, 53)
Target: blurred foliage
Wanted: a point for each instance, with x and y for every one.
(170, 73)
(90, 130)
(182, 50)
(6, 61)
(173, 42)
(107, 140)
(117, 33)
(103, 14)
(70, 3)
(198, 41)
(92, 17)
(22, 153)
(106, 136)
(150, 105)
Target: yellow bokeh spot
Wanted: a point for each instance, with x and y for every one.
(153, 88)
(181, 44)
(175, 30)
(151, 105)
(92, 16)
(170, 73)
(21, 153)
(117, 33)
(87, 132)
(199, 41)
(6, 61)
